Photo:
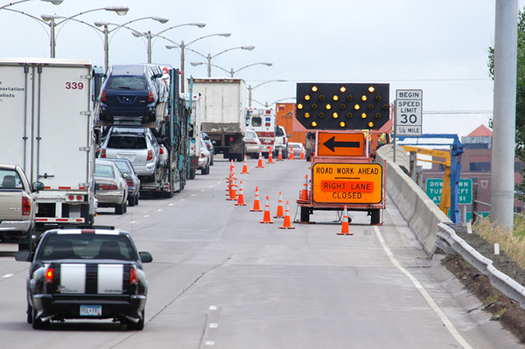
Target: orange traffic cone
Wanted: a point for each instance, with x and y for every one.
(270, 157)
(304, 192)
(266, 216)
(280, 209)
(290, 157)
(344, 227)
(302, 155)
(287, 223)
(260, 162)
(240, 198)
(256, 205)
(280, 155)
(245, 167)
(233, 192)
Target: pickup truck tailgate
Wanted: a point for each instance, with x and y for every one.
(10, 205)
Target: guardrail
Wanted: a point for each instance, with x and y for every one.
(450, 242)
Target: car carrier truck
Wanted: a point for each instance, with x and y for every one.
(47, 129)
(223, 114)
(171, 129)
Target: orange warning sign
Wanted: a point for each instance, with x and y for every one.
(347, 183)
(341, 144)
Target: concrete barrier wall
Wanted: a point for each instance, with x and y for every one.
(421, 213)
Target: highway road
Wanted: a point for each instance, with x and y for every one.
(221, 279)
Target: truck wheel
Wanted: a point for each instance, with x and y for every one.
(305, 214)
(375, 217)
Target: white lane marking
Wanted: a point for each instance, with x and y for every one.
(7, 276)
(192, 195)
(146, 215)
(132, 222)
(159, 210)
(203, 189)
(209, 343)
(213, 307)
(172, 204)
(423, 292)
(214, 325)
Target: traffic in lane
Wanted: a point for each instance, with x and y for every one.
(221, 279)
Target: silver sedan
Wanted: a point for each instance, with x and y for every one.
(111, 188)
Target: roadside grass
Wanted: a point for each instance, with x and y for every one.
(512, 243)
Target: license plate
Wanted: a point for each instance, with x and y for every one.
(90, 310)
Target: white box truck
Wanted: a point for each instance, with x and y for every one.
(47, 129)
(223, 114)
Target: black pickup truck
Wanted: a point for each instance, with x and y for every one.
(87, 273)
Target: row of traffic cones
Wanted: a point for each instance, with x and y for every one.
(281, 211)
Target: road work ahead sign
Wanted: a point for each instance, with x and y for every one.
(409, 112)
(347, 183)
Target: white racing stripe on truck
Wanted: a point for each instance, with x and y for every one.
(72, 278)
(110, 278)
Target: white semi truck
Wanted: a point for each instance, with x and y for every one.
(223, 114)
(47, 129)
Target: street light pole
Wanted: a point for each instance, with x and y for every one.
(250, 89)
(119, 10)
(54, 2)
(149, 36)
(183, 47)
(106, 32)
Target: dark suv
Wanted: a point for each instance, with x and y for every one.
(130, 91)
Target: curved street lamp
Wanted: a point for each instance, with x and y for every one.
(119, 10)
(183, 47)
(209, 57)
(149, 35)
(106, 31)
(54, 2)
(250, 89)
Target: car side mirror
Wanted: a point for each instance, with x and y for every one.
(37, 186)
(146, 257)
(23, 256)
(126, 176)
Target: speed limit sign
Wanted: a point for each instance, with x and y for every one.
(409, 112)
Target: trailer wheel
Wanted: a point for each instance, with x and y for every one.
(375, 217)
(305, 214)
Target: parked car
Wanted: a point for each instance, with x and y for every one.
(87, 274)
(17, 206)
(161, 81)
(130, 91)
(252, 144)
(209, 145)
(281, 141)
(111, 188)
(126, 167)
(297, 149)
(204, 159)
(137, 144)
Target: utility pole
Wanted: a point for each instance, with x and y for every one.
(503, 137)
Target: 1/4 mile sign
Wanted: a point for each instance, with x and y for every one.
(409, 112)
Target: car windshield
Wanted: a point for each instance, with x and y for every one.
(251, 134)
(86, 246)
(127, 142)
(104, 171)
(10, 179)
(127, 83)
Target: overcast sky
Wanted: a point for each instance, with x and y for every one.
(440, 47)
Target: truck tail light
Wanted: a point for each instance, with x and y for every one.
(150, 96)
(49, 275)
(26, 206)
(103, 153)
(133, 277)
(103, 96)
(150, 155)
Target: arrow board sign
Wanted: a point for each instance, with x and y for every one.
(409, 112)
(341, 144)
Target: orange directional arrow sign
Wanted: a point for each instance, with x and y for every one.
(341, 144)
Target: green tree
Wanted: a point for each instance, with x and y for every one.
(520, 96)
